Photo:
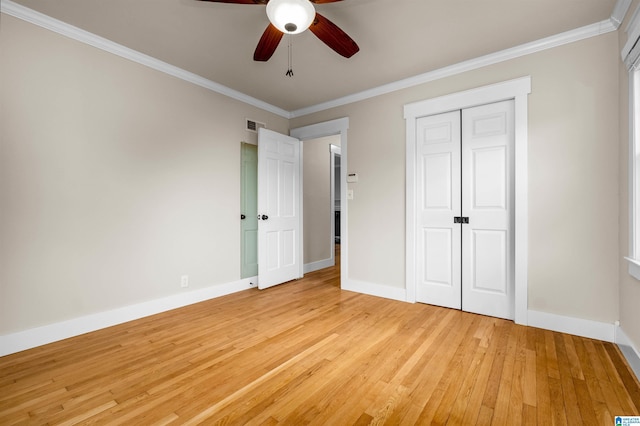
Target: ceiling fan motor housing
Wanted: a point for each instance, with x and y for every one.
(291, 16)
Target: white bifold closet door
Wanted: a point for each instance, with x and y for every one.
(465, 210)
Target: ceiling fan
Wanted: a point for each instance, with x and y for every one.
(294, 17)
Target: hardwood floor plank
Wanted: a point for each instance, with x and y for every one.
(542, 392)
(516, 399)
(307, 352)
(453, 404)
(585, 403)
(608, 394)
(566, 380)
(502, 403)
(495, 375)
(558, 412)
(443, 362)
(530, 379)
(627, 405)
(212, 410)
(478, 391)
(629, 381)
(572, 357)
(529, 415)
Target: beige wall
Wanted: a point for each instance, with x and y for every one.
(317, 198)
(573, 176)
(629, 286)
(115, 180)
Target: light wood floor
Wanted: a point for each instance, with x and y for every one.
(307, 353)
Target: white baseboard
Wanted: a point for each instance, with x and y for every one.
(394, 293)
(22, 340)
(576, 326)
(320, 264)
(629, 350)
(623, 340)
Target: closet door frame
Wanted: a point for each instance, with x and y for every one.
(518, 90)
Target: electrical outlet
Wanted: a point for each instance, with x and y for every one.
(184, 281)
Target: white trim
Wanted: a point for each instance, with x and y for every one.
(632, 20)
(632, 359)
(329, 128)
(619, 12)
(632, 175)
(75, 33)
(320, 264)
(518, 90)
(629, 351)
(320, 130)
(378, 290)
(300, 204)
(27, 339)
(561, 39)
(576, 326)
(629, 52)
(634, 265)
(623, 340)
(335, 151)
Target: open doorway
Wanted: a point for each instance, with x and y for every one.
(338, 128)
(319, 201)
(321, 204)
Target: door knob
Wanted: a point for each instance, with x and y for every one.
(242, 217)
(265, 217)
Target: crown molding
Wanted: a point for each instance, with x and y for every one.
(44, 21)
(29, 15)
(619, 12)
(561, 39)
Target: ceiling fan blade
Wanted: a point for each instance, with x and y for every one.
(333, 36)
(267, 44)
(239, 1)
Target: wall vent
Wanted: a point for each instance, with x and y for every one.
(253, 126)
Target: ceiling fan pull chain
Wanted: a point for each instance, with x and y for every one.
(290, 52)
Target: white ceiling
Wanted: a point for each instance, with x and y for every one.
(397, 38)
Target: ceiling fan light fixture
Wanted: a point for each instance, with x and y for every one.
(291, 16)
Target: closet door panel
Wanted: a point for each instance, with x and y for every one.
(438, 189)
(487, 199)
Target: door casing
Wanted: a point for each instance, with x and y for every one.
(518, 90)
(328, 128)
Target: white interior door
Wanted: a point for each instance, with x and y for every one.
(438, 189)
(487, 200)
(279, 209)
(464, 208)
